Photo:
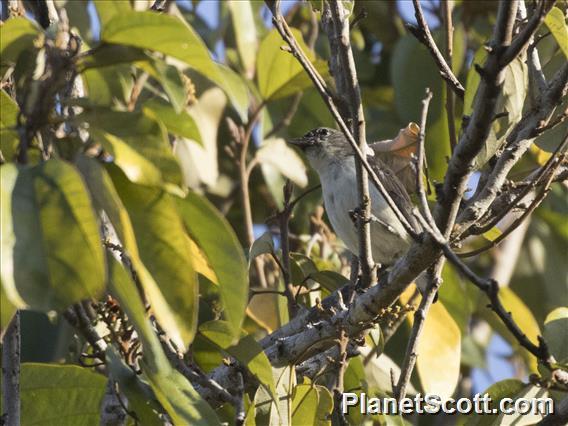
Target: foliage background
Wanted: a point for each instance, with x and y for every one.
(149, 83)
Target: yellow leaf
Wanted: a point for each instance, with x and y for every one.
(439, 349)
(521, 315)
(439, 352)
(200, 262)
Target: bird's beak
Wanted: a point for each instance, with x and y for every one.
(301, 143)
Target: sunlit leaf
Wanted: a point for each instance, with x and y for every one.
(213, 234)
(7, 309)
(138, 144)
(163, 248)
(267, 412)
(556, 23)
(40, 269)
(199, 163)
(108, 10)
(8, 119)
(279, 74)
(304, 405)
(172, 36)
(496, 392)
(245, 32)
(276, 153)
(325, 406)
(439, 351)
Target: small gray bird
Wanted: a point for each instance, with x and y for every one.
(330, 154)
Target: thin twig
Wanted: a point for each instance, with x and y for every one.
(533, 205)
(435, 280)
(338, 386)
(447, 8)
(284, 30)
(425, 209)
(423, 34)
(284, 221)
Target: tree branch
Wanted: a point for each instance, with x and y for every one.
(447, 8)
(411, 355)
(423, 34)
(345, 74)
(284, 30)
(518, 142)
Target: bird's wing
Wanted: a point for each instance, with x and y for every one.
(395, 189)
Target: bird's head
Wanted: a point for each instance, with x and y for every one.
(323, 145)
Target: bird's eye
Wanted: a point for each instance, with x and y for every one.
(323, 132)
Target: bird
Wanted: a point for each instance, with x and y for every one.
(330, 154)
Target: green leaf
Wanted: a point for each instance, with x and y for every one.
(172, 390)
(262, 245)
(556, 23)
(556, 333)
(330, 280)
(413, 70)
(174, 37)
(245, 32)
(138, 144)
(60, 395)
(7, 309)
(179, 124)
(247, 351)
(325, 406)
(164, 249)
(52, 255)
(301, 266)
(9, 139)
(171, 80)
(106, 86)
(276, 153)
(492, 234)
(458, 297)
(279, 74)
(200, 163)
(304, 405)
(16, 35)
(522, 315)
(267, 410)
(213, 234)
(107, 199)
(511, 101)
(177, 396)
(108, 10)
(141, 399)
